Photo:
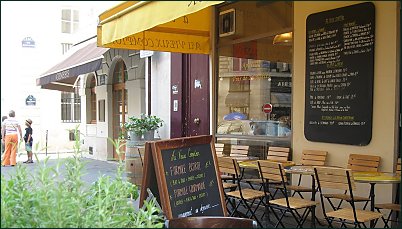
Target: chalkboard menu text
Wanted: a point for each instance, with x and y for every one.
(340, 75)
(188, 178)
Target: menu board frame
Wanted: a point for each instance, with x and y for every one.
(339, 79)
(156, 163)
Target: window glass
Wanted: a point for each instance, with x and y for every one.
(254, 74)
(70, 107)
(69, 20)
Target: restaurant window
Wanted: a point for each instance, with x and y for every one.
(253, 72)
(69, 20)
(70, 107)
(91, 108)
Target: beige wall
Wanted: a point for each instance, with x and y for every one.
(386, 90)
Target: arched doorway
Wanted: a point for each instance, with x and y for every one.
(120, 108)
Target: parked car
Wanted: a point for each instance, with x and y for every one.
(252, 127)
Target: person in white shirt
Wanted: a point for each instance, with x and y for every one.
(2, 143)
(9, 133)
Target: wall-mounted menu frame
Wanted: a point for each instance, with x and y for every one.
(340, 75)
(187, 177)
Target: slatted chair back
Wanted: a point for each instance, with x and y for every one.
(363, 163)
(269, 170)
(210, 222)
(334, 178)
(239, 151)
(314, 157)
(280, 154)
(219, 149)
(228, 166)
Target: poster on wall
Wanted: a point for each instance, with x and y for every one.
(340, 75)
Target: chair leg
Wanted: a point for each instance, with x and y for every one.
(252, 212)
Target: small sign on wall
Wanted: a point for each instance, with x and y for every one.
(28, 42)
(30, 101)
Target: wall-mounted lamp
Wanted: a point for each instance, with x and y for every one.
(283, 39)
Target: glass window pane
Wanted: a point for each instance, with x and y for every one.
(65, 27)
(76, 16)
(66, 15)
(253, 72)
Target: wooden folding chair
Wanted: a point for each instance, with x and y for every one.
(273, 171)
(342, 179)
(392, 207)
(240, 152)
(210, 222)
(356, 163)
(363, 163)
(246, 197)
(219, 147)
(279, 154)
(312, 158)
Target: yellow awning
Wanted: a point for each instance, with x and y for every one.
(169, 26)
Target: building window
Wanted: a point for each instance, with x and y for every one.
(73, 136)
(102, 110)
(65, 47)
(70, 107)
(92, 101)
(69, 20)
(253, 72)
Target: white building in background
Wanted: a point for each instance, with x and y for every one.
(34, 36)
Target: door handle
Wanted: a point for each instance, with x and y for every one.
(197, 121)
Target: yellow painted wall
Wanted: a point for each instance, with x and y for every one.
(386, 91)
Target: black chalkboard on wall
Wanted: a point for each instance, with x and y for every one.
(187, 177)
(340, 75)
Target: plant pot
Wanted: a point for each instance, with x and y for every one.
(149, 135)
(134, 136)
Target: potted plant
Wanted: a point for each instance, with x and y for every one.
(151, 123)
(135, 127)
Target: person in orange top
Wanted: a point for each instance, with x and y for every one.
(9, 133)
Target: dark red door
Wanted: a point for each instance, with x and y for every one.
(190, 95)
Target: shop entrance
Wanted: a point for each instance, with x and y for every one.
(189, 95)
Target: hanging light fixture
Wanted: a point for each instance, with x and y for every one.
(283, 39)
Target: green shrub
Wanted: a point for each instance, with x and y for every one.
(51, 199)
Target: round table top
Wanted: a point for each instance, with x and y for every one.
(300, 169)
(252, 164)
(376, 177)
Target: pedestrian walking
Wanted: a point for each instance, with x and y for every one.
(2, 143)
(10, 129)
(28, 140)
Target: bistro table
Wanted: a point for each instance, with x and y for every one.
(374, 178)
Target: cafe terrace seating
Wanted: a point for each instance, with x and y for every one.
(210, 222)
(278, 154)
(392, 207)
(309, 158)
(273, 171)
(245, 197)
(240, 152)
(341, 179)
(356, 163)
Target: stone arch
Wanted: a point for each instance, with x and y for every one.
(115, 61)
